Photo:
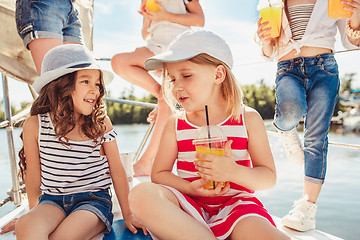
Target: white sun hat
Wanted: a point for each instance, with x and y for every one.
(190, 44)
(65, 59)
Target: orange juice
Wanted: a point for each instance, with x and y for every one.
(201, 149)
(152, 6)
(336, 10)
(273, 15)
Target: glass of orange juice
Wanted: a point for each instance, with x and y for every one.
(151, 5)
(336, 10)
(210, 140)
(271, 11)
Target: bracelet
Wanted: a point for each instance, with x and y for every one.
(351, 33)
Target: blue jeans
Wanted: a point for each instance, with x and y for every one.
(308, 86)
(97, 202)
(48, 19)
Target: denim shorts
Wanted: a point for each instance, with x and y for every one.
(96, 202)
(48, 19)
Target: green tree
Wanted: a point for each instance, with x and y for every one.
(345, 85)
(260, 97)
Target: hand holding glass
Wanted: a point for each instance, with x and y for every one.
(215, 145)
(271, 11)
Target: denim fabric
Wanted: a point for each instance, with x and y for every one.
(308, 86)
(48, 19)
(97, 202)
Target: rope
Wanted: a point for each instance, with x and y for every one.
(252, 63)
(263, 62)
(10, 199)
(336, 144)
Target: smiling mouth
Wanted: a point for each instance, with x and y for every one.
(89, 100)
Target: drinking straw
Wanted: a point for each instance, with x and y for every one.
(207, 123)
(208, 128)
(269, 3)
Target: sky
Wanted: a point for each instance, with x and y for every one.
(117, 28)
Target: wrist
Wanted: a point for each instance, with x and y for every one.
(235, 172)
(127, 216)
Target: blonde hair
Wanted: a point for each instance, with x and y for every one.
(230, 87)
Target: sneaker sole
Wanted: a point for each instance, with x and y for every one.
(296, 227)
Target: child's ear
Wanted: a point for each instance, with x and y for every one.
(220, 74)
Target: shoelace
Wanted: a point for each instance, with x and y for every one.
(302, 209)
(291, 142)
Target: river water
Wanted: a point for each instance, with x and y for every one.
(338, 204)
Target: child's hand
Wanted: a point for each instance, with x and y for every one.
(263, 33)
(161, 14)
(133, 224)
(197, 187)
(10, 226)
(216, 168)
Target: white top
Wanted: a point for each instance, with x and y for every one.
(172, 6)
(320, 32)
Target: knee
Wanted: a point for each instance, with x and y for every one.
(288, 115)
(141, 194)
(22, 224)
(118, 62)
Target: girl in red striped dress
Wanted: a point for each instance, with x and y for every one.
(197, 72)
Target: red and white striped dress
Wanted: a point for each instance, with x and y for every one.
(219, 214)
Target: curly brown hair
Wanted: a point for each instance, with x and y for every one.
(55, 98)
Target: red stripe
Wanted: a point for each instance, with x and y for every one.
(238, 143)
(182, 124)
(187, 166)
(222, 228)
(193, 204)
(186, 145)
(245, 163)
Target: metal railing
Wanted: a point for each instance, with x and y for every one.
(8, 123)
(15, 193)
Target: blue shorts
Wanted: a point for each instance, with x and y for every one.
(96, 202)
(48, 19)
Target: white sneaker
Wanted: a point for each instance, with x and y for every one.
(302, 216)
(293, 146)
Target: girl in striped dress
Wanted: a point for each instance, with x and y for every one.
(70, 153)
(197, 72)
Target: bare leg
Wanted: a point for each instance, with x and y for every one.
(256, 228)
(148, 200)
(81, 224)
(39, 223)
(130, 66)
(39, 47)
(143, 166)
(312, 190)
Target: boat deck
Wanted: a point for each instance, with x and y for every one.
(120, 232)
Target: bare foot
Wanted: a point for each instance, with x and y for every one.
(152, 115)
(142, 168)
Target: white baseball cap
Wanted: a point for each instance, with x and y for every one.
(65, 59)
(190, 44)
